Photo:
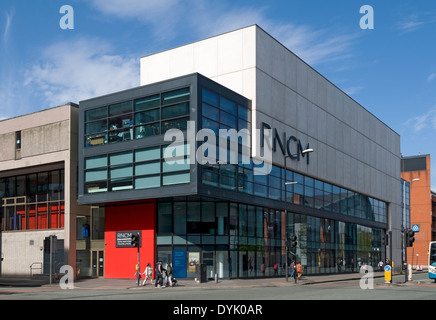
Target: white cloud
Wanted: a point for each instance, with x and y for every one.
(202, 18)
(71, 72)
(410, 24)
(85, 68)
(162, 16)
(353, 90)
(427, 120)
(8, 25)
(224, 19)
(415, 21)
(431, 77)
(314, 46)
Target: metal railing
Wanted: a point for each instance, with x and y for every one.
(33, 267)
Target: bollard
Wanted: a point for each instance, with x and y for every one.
(216, 278)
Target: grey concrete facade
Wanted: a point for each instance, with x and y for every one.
(48, 141)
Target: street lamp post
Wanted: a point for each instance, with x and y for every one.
(286, 217)
(286, 210)
(404, 229)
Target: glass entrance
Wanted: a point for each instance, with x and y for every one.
(97, 263)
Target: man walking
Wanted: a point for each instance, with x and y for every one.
(159, 275)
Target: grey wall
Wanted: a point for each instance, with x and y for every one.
(352, 147)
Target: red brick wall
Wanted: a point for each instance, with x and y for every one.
(420, 213)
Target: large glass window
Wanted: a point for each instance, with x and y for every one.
(165, 218)
(175, 111)
(121, 171)
(96, 126)
(147, 103)
(141, 118)
(96, 174)
(32, 202)
(293, 188)
(239, 240)
(175, 96)
(138, 169)
(221, 113)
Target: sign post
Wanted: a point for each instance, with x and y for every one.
(130, 239)
(388, 274)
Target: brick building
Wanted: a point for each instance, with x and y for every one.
(416, 170)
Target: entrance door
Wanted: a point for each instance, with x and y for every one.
(97, 263)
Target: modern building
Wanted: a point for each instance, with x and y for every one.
(416, 171)
(339, 200)
(38, 191)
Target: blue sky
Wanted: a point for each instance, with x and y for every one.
(390, 70)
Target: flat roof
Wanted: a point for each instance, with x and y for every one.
(72, 104)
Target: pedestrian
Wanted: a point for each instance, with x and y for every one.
(293, 274)
(138, 275)
(159, 275)
(169, 271)
(380, 265)
(148, 274)
(299, 269)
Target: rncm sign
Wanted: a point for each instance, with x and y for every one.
(291, 147)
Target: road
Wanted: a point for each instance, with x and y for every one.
(420, 289)
(230, 302)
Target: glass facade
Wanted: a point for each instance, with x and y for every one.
(280, 184)
(240, 229)
(238, 240)
(33, 201)
(296, 189)
(136, 119)
(220, 112)
(136, 169)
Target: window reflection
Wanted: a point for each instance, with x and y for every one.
(250, 239)
(32, 202)
(144, 117)
(295, 188)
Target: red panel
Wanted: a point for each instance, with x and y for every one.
(32, 217)
(120, 263)
(62, 214)
(42, 217)
(54, 216)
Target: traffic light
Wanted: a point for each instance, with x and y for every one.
(47, 245)
(294, 241)
(385, 240)
(135, 240)
(410, 237)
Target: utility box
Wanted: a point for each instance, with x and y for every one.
(200, 272)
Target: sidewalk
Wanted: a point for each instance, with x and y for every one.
(100, 283)
(114, 284)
